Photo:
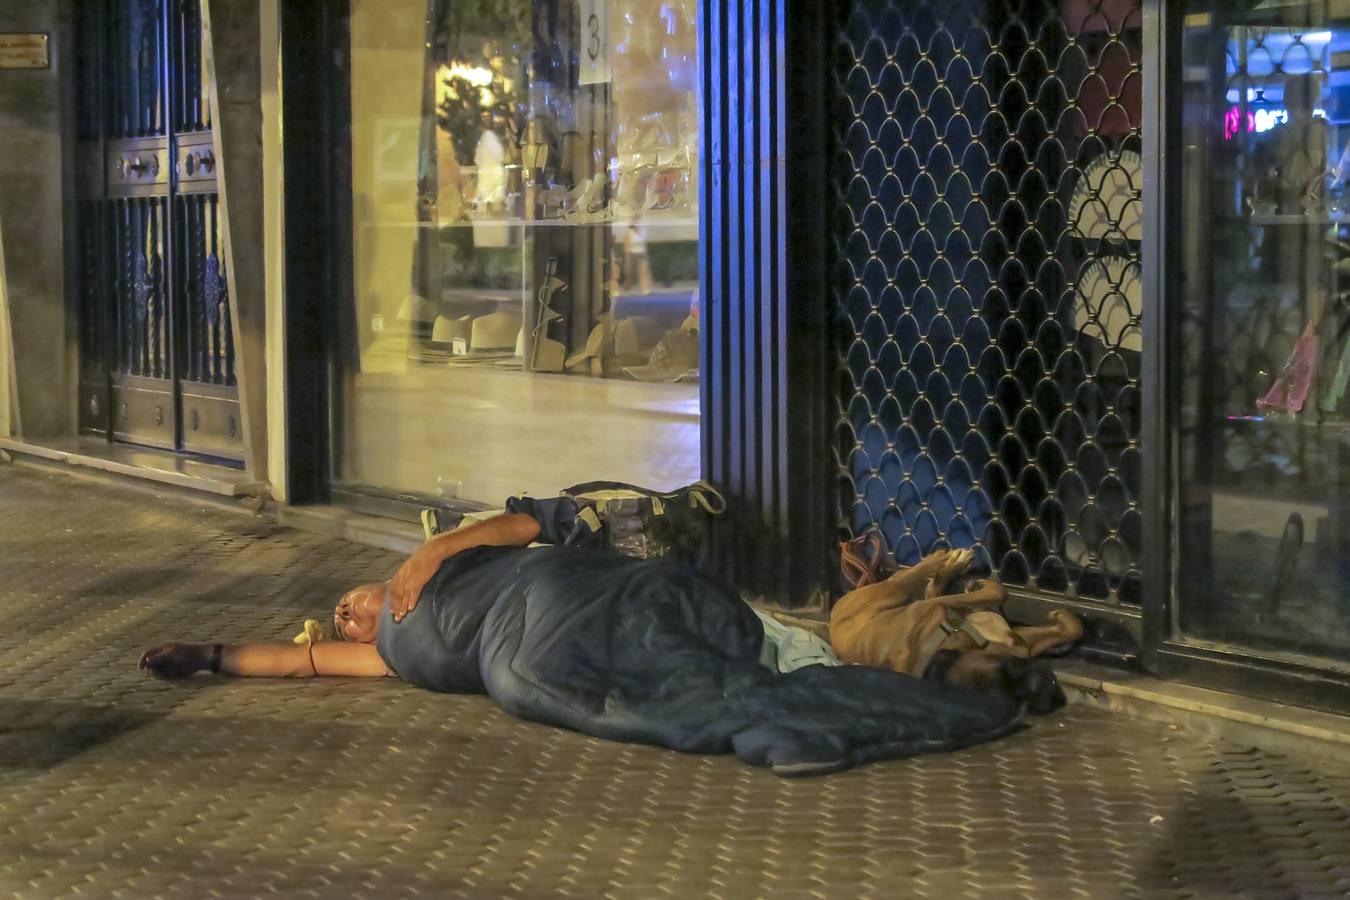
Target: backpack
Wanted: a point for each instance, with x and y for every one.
(647, 524)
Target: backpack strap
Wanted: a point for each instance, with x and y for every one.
(700, 495)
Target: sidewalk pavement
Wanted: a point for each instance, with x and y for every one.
(113, 784)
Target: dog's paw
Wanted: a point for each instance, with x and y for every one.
(952, 566)
(1068, 624)
(913, 582)
(929, 565)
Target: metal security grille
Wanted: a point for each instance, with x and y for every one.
(208, 344)
(157, 354)
(137, 231)
(988, 227)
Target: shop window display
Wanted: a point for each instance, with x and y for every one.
(1265, 519)
(525, 218)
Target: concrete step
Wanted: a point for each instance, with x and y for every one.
(375, 531)
(135, 462)
(1201, 711)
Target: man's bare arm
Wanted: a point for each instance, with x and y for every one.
(510, 530)
(267, 659)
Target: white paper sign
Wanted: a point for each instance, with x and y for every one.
(594, 50)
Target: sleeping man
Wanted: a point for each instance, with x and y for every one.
(649, 651)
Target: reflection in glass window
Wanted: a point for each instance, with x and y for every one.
(525, 190)
(1266, 327)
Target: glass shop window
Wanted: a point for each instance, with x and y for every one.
(525, 215)
(1265, 441)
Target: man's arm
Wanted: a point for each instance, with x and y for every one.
(510, 530)
(267, 659)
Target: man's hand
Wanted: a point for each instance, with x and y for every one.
(177, 660)
(405, 588)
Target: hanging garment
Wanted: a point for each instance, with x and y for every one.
(1291, 387)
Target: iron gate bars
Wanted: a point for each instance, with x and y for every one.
(988, 223)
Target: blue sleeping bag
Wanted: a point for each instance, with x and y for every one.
(657, 652)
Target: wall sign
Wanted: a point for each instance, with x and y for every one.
(24, 51)
(594, 49)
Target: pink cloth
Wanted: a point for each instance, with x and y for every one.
(1291, 387)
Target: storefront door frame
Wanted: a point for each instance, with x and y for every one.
(768, 353)
(316, 112)
(1166, 652)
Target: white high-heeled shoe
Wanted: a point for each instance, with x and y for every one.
(582, 198)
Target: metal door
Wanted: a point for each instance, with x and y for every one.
(990, 292)
(156, 350)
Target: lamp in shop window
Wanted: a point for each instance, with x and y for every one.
(473, 97)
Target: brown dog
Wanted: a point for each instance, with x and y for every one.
(914, 622)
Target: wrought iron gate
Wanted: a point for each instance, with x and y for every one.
(988, 232)
(156, 349)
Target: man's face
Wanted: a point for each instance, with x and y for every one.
(357, 617)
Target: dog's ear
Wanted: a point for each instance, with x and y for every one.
(1033, 682)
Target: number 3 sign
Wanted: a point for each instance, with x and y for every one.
(594, 42)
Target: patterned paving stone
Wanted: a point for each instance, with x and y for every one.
(116, 785)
